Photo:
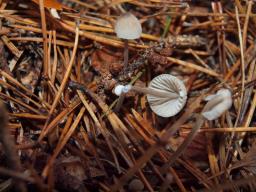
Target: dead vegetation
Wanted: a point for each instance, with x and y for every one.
(61, 60)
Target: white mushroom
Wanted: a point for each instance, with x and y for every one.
(167, 105)
(127, 27)
(166, 94)
(217, 104)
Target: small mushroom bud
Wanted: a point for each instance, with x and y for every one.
(217, 104)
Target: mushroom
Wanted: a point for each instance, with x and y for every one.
(217, 104)
(136, 185)
(127, 27)
(166, 94)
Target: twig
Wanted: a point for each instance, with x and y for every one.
(63, 83)
(9, 148)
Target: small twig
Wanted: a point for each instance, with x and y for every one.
(9, 148)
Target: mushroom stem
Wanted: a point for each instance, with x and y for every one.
(154, 92)
(126, 53)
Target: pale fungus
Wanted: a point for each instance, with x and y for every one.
(166, 94)
(217, 104)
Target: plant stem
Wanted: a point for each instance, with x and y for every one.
(167, 26)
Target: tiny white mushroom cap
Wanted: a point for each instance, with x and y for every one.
(217, 104)
(164, 106)
(119, 89)
(128, 27)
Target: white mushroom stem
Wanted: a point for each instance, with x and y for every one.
(155, 92)
(120, 90)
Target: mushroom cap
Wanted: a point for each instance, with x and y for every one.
(119, 89)
(163, 106)
(217, 104)
(128, 27)
(51, 4)
(136, 185)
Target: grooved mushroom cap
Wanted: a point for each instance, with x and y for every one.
(128, 27)
(164, 106)
(217, 104)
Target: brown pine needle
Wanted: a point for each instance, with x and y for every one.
(57, 80)
(44, 31)
(63, 83)
(63, 142)
(193, 66)
(235, 129)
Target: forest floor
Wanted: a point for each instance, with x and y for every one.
(65, 126)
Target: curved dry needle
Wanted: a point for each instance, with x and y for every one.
(183, 146)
